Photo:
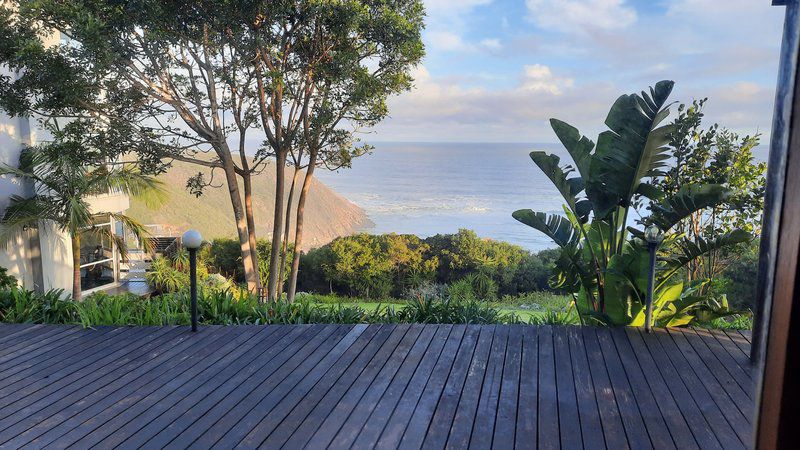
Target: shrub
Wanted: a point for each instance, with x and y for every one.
(18, 305)
(6, 281)
(370, 265)
(461, 290)
(163, 277)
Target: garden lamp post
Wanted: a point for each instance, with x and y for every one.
(192, 241)
(653, 237)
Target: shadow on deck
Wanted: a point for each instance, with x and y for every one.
(366, 386)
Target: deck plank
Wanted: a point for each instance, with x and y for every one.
(656, 403)
(442, 420)
(483, 427)
(357, 419)
(717, 407)
(660, 373)
(589, 414)
(742, 359)
(445, 341)
(374, 386)
(296, 429)
(75, 409)
(569, 422)
(527, 419)
(712, 370)
(234, 407)
(127, 418)
(464, 418)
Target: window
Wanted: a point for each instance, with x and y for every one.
(98, 254)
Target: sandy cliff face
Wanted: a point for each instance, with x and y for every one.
(328, 214)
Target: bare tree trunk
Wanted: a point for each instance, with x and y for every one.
(76, 266)
(298, 232)
(287, 229)
(277, 226)
(251, 224)
(250, 272)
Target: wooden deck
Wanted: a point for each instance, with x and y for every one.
(365, 386)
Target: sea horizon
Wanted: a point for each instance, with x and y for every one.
(428, 188)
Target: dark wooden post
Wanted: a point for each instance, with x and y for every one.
(776, 334)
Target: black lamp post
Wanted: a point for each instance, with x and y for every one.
(653, 237)
(192, 241)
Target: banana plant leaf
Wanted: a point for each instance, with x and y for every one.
(634, 147)
(569, 188)
(579, 147)
(557, 228)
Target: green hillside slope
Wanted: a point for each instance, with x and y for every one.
(328, 214)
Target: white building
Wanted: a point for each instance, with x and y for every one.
(42, 259)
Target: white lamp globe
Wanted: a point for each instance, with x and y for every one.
(653, 235)
(192, 239)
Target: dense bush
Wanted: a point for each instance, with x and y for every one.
(224, 256)
(738, 279)
(6, 280)
(377, 266)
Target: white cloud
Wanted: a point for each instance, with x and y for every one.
(448, 41)
(539, 78)
(577, 15)
(491, 44)
(442, 109)
(698, 43)
(452, 42)
(452, 6)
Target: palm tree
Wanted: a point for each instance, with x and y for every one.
(64, 176)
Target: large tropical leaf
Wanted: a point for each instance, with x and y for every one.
(579, 147)
(689, 199)
(558, 228)
(569, 188)
(634, 147)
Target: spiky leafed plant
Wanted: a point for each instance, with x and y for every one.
(601, 264)
(64, 176)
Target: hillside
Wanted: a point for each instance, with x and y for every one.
(328, 214)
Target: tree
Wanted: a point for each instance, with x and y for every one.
(186, 67)
(355, 54)
(714, 155)
(605, 268)
(65, 174)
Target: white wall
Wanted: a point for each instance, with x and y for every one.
(20, 256)
(16, 255)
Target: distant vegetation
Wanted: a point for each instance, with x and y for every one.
(394, 265)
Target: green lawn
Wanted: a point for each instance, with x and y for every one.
(523, 314)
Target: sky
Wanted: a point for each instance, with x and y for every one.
(497, 70)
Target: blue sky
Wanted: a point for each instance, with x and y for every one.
(497, 70)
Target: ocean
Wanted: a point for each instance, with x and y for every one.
(431, 188)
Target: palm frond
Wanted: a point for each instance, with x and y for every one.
(136, 228)
(130, 181)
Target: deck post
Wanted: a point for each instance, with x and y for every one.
(776, 333)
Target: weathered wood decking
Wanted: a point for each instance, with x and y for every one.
(382, 386)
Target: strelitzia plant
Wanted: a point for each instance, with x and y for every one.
(603, 261)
